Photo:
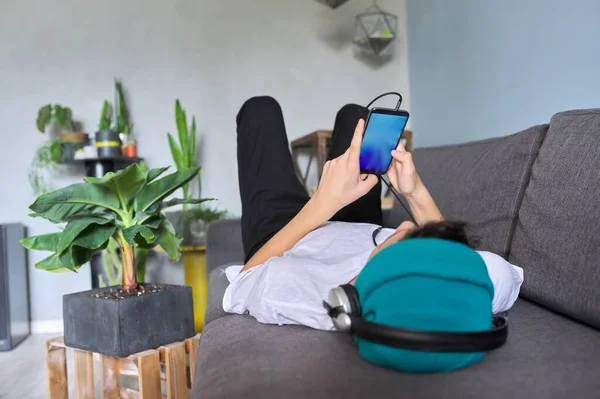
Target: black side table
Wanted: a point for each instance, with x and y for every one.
(98, 167)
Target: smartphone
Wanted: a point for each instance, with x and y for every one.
(383, 131)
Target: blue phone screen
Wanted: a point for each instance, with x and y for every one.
(380, 138)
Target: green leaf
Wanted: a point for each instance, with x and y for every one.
(179, 201)
(168, 240)
(154, 173)
(52, 264)
(121, 106)
(74, 228)
(75, 257)
(43, 242)
(61, 204)
(105, 116)
(192, 143)
(125, 183)
(175, 152)
(182, 130)
(162, 188)
(67, 119)
(155, 222)
(130, 234)
(59, 114)
(141, 254)
(81, 249)
(43, 118)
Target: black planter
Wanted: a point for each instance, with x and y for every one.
(121, 327)
(108, 144)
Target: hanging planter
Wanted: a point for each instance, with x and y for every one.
(375, 30)
(332, 3)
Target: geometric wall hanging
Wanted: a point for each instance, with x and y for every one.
(374, 30)
(332, 3)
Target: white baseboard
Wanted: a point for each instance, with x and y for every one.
(47, 327)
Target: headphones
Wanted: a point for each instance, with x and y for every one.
(344, 308)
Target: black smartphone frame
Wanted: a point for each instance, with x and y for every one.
(386, 111)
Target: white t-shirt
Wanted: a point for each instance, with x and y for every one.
(289, 289)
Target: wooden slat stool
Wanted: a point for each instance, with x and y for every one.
(174, 364)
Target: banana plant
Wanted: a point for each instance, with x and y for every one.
(127, 206)
(184, 153)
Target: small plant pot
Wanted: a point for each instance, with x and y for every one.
(129, 150)
(100, 321)
(71, 142)
(108, 144)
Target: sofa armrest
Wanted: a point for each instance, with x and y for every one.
(224, 243)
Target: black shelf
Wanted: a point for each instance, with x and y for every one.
(98, 167)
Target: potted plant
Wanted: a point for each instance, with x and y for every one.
(108, 142)
(47, 156)
(122, 123)
(128, 207)
(115, 140)
(71, 140)
(190, 223)
(54, 151)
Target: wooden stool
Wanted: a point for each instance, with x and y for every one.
(319, 142)
(168, 363)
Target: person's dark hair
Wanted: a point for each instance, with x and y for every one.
(446, 230)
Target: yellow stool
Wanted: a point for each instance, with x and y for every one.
(194, 264)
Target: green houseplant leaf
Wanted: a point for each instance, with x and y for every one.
(125, 183)
(75, 228)
(44, 117)
(122, 207)
(43, 242)
(180, 201)
(175, 152)
(63, 203)
(154, 173)
(168, 240)
(105, 117)
(162, 188)
(51, 264)
(182, 131)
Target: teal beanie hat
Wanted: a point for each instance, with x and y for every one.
(425, 284)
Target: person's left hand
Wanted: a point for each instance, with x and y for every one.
(341, 181)
(402, 173)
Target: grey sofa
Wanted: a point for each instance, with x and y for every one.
(534, 198)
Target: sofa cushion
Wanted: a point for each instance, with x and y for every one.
(546, 356)
(557, 237)
(217, 284)
(224, 243)
(480, 182)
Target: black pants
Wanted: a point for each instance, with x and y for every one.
(271, 192)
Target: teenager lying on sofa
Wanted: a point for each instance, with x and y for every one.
(298, 248)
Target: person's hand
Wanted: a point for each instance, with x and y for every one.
(341, 182)
(402, 173)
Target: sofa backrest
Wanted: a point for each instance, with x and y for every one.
(480, 182)
(557, 237)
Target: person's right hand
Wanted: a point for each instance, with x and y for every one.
(341, 182)
(402, 173)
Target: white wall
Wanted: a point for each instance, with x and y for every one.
(210, 54)
(486, 68)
